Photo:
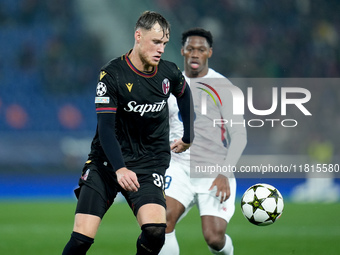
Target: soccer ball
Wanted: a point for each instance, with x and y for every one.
(262, 204)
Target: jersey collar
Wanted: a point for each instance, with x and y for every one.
(137, 71)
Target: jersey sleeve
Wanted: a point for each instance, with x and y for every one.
(180, 83)
(186, 108)
(106, 103)
(237, 132)
(106, 94)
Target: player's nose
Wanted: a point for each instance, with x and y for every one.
(161, 48)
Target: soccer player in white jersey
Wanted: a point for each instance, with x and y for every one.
(214, 197)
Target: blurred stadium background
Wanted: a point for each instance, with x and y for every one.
(51, 52)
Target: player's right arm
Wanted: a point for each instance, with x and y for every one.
(126, 178)
(106, 107)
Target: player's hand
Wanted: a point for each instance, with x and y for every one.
(127, 179)
(179, 146)
(223, 188)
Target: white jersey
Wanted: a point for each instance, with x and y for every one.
(176, 124)
(228, 145)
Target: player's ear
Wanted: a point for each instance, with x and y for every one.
(138, 35)
(182, 51)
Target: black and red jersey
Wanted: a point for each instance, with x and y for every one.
(139, 100)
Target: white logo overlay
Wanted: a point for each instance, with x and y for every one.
(288, 128)
(274, 101)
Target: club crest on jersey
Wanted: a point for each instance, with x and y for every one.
(166, 86)
(101, 89)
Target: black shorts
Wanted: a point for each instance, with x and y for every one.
(98, 187)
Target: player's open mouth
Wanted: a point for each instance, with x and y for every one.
(194, 65)
(157, 58)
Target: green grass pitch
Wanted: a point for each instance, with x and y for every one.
(40, 227)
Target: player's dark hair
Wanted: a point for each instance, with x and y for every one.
(150, 18)
(197, 31)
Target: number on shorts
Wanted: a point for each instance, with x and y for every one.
(158, 181)
(168, 180)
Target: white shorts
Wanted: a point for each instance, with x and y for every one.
(195, 191)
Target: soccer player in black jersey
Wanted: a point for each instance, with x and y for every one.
(130, 150)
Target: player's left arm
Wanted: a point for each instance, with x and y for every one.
(186, 108)
(237, 144)
(237, 132)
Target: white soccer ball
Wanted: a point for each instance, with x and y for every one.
(262, 204)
